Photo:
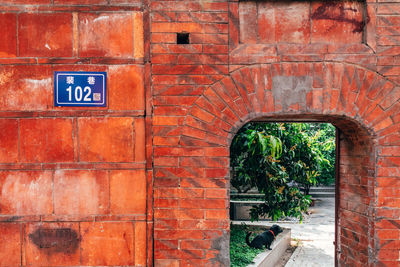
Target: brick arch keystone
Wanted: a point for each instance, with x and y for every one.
(192, 213)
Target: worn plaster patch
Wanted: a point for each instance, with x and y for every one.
(23, 194)
(290, 90)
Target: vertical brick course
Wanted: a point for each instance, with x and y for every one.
(63, 168)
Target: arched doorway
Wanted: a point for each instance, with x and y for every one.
(192, 175)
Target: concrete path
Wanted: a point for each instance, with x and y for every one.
(316, 235)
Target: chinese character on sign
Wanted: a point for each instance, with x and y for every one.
(96, 96)
(70, 80)
(91, 80)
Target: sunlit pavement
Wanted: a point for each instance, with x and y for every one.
(315, 234)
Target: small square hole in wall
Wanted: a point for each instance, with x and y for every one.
(182, 38)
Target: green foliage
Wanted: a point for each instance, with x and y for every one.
(252, 148)
(323, 144)
(241, 254)
(278, 159)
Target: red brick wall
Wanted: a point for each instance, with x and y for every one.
(281, 79)
(73, 181)
(76, 184)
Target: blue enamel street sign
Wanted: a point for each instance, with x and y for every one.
(80, 89)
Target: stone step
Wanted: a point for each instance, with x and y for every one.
(240, 210)
(247, 195)
(322, 195)
(322, 189)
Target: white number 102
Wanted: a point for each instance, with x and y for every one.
(78, 93)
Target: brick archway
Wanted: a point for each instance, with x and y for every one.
(192, 165)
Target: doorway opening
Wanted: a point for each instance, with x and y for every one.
(285, 173)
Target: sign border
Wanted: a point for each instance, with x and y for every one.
(80, 73)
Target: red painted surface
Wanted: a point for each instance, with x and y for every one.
(45, 35)
(8, 46)
(101, 186)
(106, 35)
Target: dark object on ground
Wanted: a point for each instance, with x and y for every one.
(265, 238)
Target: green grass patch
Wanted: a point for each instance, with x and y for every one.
(241, 254)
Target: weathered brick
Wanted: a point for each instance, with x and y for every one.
(140, 243)
(45, 34)
(138, 34)
(248, 22)
(126, 87)
(8, 47)
(25, 88)
(175, 6)
(266, 22)
(216, 28)
(52, 244)
(80, 2)
(106, 35)
(140, 140)
(388, 8)
(25, 2)
(46, 140)
(174, 27)
(164, 59)
(177, 69)
(388, 254)
(165, 38)
(177, 49)
(292, 24)
(215, 49)
(10, 244)
(81, 192)
(26, 192)
(337, 22)
(107, 243)
(106, 139)
(167, 162)
(128, 192)
(178, 234)
(167, 262)
(209, 38)
(127, 2)
(216, 193)
(390, 151)
(165, 141)
(167, 120)
(9, 140)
